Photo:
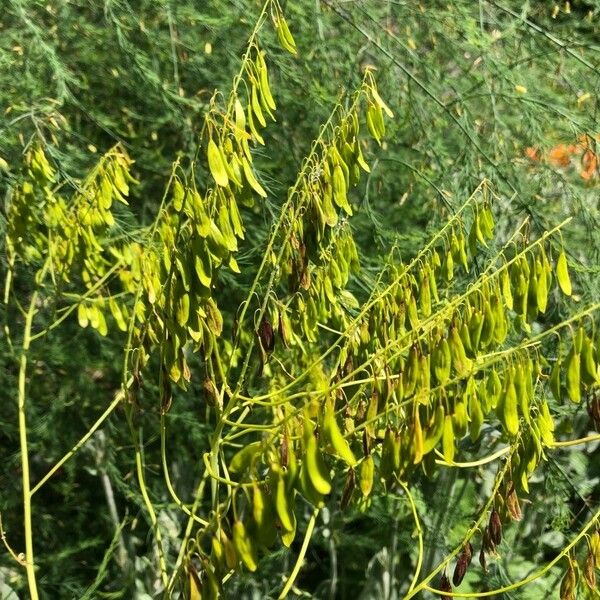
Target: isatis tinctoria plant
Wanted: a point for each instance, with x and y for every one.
(318, 392)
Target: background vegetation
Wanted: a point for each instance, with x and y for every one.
(506, 91)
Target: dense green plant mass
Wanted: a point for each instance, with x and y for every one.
(331, 327)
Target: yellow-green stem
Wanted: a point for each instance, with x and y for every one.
(413, 507)
(292, 578)
(27, 521)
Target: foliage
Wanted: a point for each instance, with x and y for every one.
(303, 370)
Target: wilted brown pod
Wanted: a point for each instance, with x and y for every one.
(266, 335)
(495, 527)
(512, 504)
(445, 587)
(593, 408)
(462, 564)
(482, 560)
(348, 489)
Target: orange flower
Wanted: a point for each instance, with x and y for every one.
(532, 153)
(560, 155)
(590, 164)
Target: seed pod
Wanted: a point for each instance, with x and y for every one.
(573, 376)
(545, 423)
(283, 499)
(541, 286)
(482, 560)
(231, 558)
(522, 388)
(332, 435)
(390, 456)
(475, 327)
(433, 433)
(256, 106)
(240, 118)
(506, 289)
(462, 564)
(495, 527)
(506, 408)
(348, 489)
(216, 164)
(512, 504)
(264, 515)
(263, 75)
(374, 122)
(460, 362)
(255, 133)
(445, 586)
(488, 326)
(493, 390)
(244, 459)
(375, 95)
(210, 392)
(367, 469)
(442, 361)
(194, 584)
(562, 274)
(589, 373)
(589, 571)
(284, 34)
(595, 547)
(568, 584)
(460, 419)
(244, 546)
(266, 335)
(555, 387)
(448, 440)
(425, 296)
(251, 178)
(340, 192)
(417, 439)
(593, 408)
(476, 414)
(313, 465)
(448, 267)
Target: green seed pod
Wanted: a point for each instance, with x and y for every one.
(448, 447)
(573, 375)
(367, 469)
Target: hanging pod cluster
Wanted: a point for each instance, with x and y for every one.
(301, 465)
(436, 391)
(318, 251)
(72, 235)
(199, 233)
(577, 374)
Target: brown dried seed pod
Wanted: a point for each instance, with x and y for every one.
(512, 504)
(210, 391)
(593, 408)
(589, 572)
(468, 552)
(482, 560)
(568, 584)
(488, 545)
(495, 527)
(462, 564)
(166, 396)
(266, 335)
(283, 450)
(445, 587)
(459, 570)
(348, 489)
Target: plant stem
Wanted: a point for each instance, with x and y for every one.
(290, 582)
(29, 565)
